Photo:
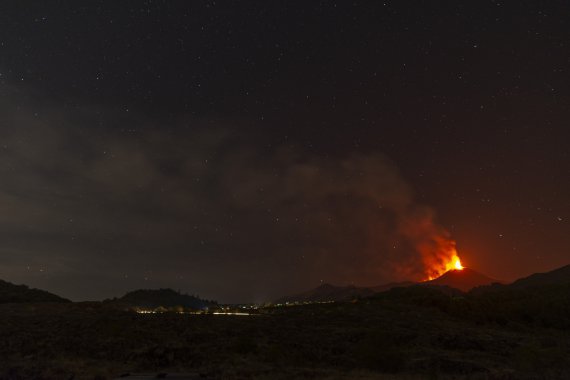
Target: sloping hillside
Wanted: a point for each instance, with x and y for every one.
(557, 276)
(153, 298)
(327, 292)
(464, 279)
(11, 293)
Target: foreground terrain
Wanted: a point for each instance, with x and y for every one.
(404, 333)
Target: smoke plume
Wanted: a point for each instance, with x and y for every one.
(87, 195)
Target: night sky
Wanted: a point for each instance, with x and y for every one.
(246, 150)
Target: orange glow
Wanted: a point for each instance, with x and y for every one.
(453, 263)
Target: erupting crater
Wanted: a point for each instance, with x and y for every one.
(453, 264)
(459, 277)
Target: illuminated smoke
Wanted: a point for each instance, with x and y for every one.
(432, 241)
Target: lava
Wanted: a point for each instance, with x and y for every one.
(453, 263)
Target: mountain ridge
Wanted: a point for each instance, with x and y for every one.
(165, 297)
(464, 279)
(12, 293)
(555, 276)
(327, 292)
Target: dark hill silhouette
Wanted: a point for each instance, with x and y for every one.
(554, 277)
(328, 292)
(392, 285)
(11, 293)
(464, 280)
(449, 283)
(153, 298)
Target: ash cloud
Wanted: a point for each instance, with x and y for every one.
(89, 196)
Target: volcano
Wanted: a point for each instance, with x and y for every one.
(463, 279)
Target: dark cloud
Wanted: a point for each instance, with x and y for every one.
(194, 208)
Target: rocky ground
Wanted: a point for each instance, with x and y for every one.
(413, 335)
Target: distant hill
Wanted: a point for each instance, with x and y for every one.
(392, 285)
(560, 276)
(153, 298)
(555, 277)
(11, 293)
(328, 292)
(464, 280)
